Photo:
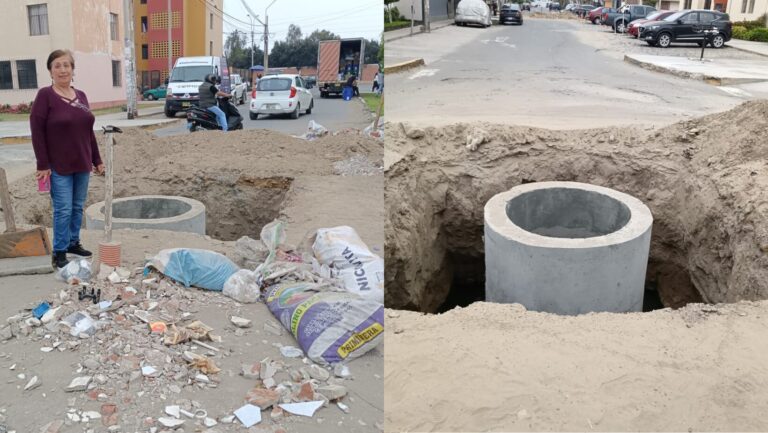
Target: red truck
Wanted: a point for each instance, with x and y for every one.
(337, 60)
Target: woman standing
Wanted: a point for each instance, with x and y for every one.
(66, 152)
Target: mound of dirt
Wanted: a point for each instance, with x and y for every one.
(241, 176)
(705, 180)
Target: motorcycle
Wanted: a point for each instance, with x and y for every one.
(200, 118)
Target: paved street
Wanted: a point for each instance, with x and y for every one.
(545, 73)
(333, 113)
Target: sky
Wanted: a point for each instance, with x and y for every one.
(346, 18)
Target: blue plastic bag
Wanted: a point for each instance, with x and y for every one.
(191, 267)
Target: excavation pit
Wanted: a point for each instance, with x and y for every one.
(566, 248)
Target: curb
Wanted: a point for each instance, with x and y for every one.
(399, 67)
(747, 50)
(433, 27)
(709, 79)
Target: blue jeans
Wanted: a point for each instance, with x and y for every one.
(220, 117)
(68, 193)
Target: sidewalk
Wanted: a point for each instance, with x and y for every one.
(713, 71)
(760, 48)
(147, 116)
(394, 35)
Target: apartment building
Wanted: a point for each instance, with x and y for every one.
(196, 30)
(91, 29)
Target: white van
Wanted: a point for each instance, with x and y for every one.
(187, 76)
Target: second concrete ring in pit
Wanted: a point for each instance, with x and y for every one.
(157, 212)
(566, 248)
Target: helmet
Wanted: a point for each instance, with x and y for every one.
(218, 79)
(210, 78)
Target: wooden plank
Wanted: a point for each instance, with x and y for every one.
(5, 202)
(25, 243)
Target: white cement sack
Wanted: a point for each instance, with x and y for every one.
(361, 271)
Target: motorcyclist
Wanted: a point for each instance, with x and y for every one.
(208, 93)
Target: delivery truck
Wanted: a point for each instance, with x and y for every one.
(337, 60)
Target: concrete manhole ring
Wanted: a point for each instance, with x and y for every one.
(158, 212)
(567, 248)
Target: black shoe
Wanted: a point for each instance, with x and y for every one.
(78, 250)
(59, 260)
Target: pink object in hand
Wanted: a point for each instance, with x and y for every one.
(44, 185)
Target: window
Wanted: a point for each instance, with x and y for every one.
(116, 81)
(143, 2)
(691, 18)
(144, 52)
(751, 6)
(211, 21)
(210, 48)
(706, 17)
(6, 80)
(143, 24)
(27, 73)
(38, 19)
(707, 4)
(113, 27)
(743, 6)
(687, 4)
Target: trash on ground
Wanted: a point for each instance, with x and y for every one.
(362, 271)
(249, 415)
(76, 272)
(40, 310)
(194, 267)
(314, 131)
(291, 352)
(304, 409)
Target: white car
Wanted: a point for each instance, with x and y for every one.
(239, 89)
(473, 12)
(281, 94)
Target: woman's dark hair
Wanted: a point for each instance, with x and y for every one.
(60, 53)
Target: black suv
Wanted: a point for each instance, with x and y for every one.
(687, 26)
(511, 13)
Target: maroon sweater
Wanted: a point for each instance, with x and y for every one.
(62, 133)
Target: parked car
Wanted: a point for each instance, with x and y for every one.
(554, 6)
(595, 16)
(511, 13)
(582, 10)
(570, 6)
(634, 26)
(311, 81)
(621, 19)
(526, 6)
(281, 94)
(239, 89)
(156, 93)
(473, 12)
(687, 26)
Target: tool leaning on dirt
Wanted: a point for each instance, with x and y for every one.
(317, 297)
(19, 243)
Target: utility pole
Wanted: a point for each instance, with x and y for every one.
(170, 44)
(130, 59)
(266, 37)
(425, 13)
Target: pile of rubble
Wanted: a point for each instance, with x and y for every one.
(139, 338)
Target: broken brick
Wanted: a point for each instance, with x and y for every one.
(263, 398)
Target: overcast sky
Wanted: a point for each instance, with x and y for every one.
(346, 18)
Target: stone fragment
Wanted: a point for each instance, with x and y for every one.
(344, 408)
(319, 373)
(174, 411)
(332, 392)
(229, 419)
(267, 369)
(251, 371)
(33, 383)
(209, 422)
(306, 392)
(341, 370)
(171, 423)
(269, 383)
(240, 322)
(262, 397)
(202, 378)
(6, 333)
(108, 409)
(78, 384)
(291, 352)
(91, 364)
(277, 413)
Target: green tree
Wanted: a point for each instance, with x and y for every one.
(237, 50)
(381, 50)
(372, 51)
(389, 9)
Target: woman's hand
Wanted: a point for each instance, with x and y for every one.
(99, 169)
(42, 174)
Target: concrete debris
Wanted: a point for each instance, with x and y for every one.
(291, 352)
(475, 138)
(263, 398)
(78, 384)
(342, 370)
(251, 371)
(6, 333)
(332, 392)
(249, 415)
(33, 383)
(344, 408)
(209, 422)
(171, 423)
(240, 322)
(174, 411)
(319, 373)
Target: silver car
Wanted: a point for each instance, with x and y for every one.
(473, 12)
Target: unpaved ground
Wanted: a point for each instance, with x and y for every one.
(235, 175)
(493, 367)
(497, 367)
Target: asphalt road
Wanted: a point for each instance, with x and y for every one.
(538, 74)
(333, 113)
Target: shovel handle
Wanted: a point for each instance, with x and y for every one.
(5, 202)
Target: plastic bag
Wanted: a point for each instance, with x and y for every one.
(242, 286)
(272, 235)
(191, 267)
(76, 272)
(249, 252)
(330, 326)
(361, 271)
(373, 131)
(80, 323)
